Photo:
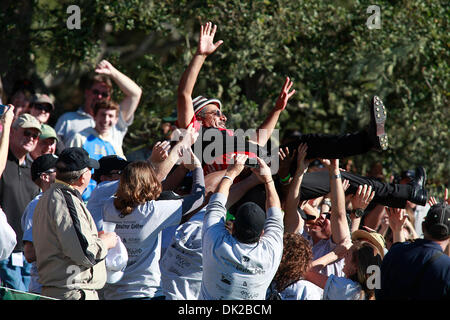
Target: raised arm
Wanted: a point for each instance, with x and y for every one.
(163, 168)
(195, 199)
(6, 120)
(130, 89)
(231, 173)
(292, 220)
(397, 219)
(360, 200)
(266, 128)
(206, 46)
(339, 226)
(264, 174)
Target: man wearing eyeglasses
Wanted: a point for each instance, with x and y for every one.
(16, 191)
(41, 107)
(207, 114)
(43, 173)
(99, 88)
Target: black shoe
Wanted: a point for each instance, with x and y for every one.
(418, 194)
(377, 135)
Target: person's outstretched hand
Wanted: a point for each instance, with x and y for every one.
(263, 171)
(206, 44)
(397, 218)
(237, 165)
(302, 163)
(362, 197)
(285, 95)
(286, 158)
(160, 151)
(8, 116)
(105, 67)
(432, 201)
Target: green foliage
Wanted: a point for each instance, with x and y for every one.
(337, 64)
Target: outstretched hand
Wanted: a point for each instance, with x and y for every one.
(432, 201)
(206, 44)
(105, 67)
(237, 165)
(286, 158)
(285, 95)
(397, 218)
(8, 115)
(331, 164)
(363, 196)
(160, 151)
(263, 171)
(302, 163)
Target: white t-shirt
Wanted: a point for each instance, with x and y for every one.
(102, 192)
(70, 123)
(140, 232)
(302, 290)
(233, 270)
(181, 265)
(27, 227)
(341, 288)
(321, 248)
(7, 237)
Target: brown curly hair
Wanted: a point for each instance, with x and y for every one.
(297, 255)
(138, 184)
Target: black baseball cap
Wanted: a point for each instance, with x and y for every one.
(75, 159)
(437, 221)
(249, 222)
(42, 164)
(110, 163)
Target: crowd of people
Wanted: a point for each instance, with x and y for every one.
(210, 214)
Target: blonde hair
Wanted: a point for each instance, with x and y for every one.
(138, 184)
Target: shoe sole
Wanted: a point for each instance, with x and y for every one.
(379, 116)
(423, 173)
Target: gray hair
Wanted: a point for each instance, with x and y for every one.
(69, 176)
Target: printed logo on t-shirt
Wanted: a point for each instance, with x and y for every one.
(226, 278)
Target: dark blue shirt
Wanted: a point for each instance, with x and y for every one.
(401, 268)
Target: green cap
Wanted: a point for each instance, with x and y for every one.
(47, 132)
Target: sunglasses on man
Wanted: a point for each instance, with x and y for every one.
(29, 133)
(215, 112)
(42, 107)
(102, 93)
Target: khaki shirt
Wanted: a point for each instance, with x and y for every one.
(69, 253)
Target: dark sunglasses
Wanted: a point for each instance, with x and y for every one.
(28, 133)
(42, 107)
(49, 171)
(216, 112)
(102, 93)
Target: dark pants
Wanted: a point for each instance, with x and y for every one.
(327, 146)
(330, 146)
(317, 184)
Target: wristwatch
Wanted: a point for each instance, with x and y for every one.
(358, 212)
